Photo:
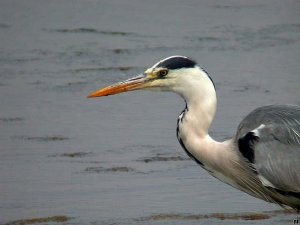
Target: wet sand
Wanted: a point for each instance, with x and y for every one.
(65, 159)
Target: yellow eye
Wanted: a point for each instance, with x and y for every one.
(163, 73)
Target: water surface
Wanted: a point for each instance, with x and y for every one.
(116, 160)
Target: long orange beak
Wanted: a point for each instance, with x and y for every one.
(134, 83)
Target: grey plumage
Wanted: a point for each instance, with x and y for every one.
(273, 134)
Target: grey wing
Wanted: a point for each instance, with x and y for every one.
(269, 138)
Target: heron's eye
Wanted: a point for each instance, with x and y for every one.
(163, 73)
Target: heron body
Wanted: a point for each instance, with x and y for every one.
(262, 159)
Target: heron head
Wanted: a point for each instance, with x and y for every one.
(175, 73)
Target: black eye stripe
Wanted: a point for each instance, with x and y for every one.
(177, 63)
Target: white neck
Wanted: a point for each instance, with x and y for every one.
(200, 96)
(199, 93)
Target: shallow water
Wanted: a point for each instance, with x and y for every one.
(116, 160)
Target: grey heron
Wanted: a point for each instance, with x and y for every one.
(262, 159)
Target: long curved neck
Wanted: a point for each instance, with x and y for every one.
(199, 93)
(200, 113)
(194, 123)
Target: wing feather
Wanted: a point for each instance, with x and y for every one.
(269, 139)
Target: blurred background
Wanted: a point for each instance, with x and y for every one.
(116, 160)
